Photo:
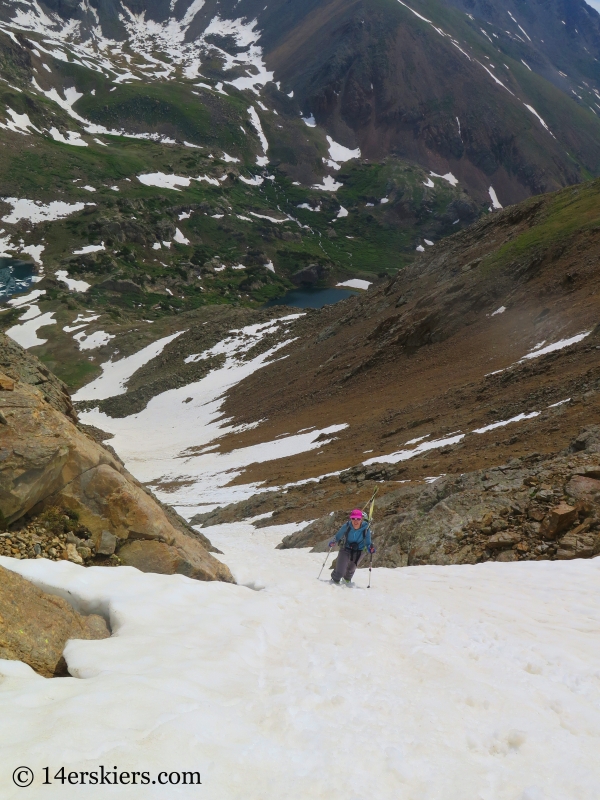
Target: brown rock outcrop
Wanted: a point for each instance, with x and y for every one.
(513, 512)
(578, 543)
(35, 626)
(46, 461)
(560, 519)
(6, 384)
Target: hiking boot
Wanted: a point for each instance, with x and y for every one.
(333, 580)
(346, 582)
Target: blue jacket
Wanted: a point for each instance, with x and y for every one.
(361, 536)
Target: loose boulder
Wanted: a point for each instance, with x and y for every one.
(105, 494)
(503, 540)
(561, 518)
(182, 557)
(105, 543)
(583, 486)
(507, 556)
(35, 626)
(588, 440)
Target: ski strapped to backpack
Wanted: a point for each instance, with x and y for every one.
(360, 545)
(371, 511)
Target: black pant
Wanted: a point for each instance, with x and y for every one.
(347, 562)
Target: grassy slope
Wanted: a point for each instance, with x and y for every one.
(573, 212)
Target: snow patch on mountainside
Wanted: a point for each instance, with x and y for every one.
(355, 283)
(18, 123)
(246, 36)
(329, 184)
(447, 177)
(147, 36)
(494, 198)
(35, 211)
(25, 332)
(340, 153)
(539, 350)
(163, 181)
(163, 49)
(535, 114)
(115, 374)
(262, 161)
(72, 284)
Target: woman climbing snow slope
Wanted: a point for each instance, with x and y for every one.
(355, 536)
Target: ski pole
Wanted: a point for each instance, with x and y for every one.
(323, 567)
(370, 563)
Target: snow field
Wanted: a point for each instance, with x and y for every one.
(340, 153)
(93, 340)
(438, 683)
(89, 248)
(256, 124)
(355, 283)
(454, 438)
(539, 349)
(447, 177)
(180, 459)
(496, 205)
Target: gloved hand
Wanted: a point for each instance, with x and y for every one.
(371, 548)
(332, 543)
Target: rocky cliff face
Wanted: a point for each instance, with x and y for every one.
(24, 368)
(50, 467)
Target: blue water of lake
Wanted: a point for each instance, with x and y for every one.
(307, 297)
(15, 277)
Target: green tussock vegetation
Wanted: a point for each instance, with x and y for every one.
(562, 215)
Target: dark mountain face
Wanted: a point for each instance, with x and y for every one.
(558, 39)
(428, 84)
